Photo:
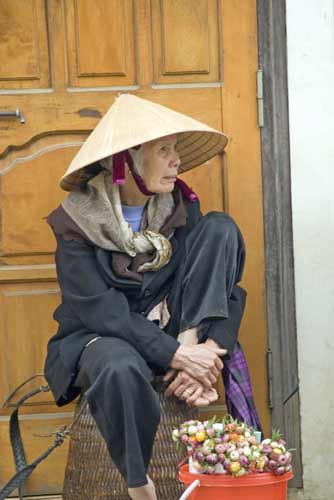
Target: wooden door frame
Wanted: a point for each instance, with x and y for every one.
(279, 259)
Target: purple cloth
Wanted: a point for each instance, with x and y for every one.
(238, 389)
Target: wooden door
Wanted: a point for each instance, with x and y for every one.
(62, 64)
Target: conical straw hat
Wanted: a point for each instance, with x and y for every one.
(131, 121)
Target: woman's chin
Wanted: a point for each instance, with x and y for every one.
(166, 188)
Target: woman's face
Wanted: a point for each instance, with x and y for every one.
(161, 163)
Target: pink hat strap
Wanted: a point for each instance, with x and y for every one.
(186, 191)
(138, 179)
(118, 169)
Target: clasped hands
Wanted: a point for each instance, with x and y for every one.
(194, 370)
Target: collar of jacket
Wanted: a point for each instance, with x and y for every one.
(122, 265)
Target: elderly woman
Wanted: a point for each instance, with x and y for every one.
(149, 285)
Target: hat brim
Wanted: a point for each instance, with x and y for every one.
(194, 148)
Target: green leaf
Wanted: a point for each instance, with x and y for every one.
(276, 435)
(212, 421)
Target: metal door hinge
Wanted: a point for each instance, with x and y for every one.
(259, 96)
(270, 378)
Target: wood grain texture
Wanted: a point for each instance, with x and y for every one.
(48, 114)
(23, 45)
(50, 473)
(143, 42)
(185, 41)
(282, 336)
(100, 38)
(28, 273)
(243, 182)
(26, 260)
(39, 497)
(25, 327)
(189, 30)
(29, 192)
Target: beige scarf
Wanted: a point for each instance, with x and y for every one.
(98, 212)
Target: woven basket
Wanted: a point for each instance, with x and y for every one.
(91, 474)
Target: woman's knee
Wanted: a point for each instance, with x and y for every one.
(111, 358)
(221, 225)
(126, 371)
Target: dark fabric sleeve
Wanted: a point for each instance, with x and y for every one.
(225, 330)
(105, 310)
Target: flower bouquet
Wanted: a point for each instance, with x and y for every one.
(231, 447)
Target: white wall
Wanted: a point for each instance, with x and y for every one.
(310, 36)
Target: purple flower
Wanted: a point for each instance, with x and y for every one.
(212, 459)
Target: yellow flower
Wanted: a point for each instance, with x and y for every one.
(260, 464)
(235, 467)
(200, 436)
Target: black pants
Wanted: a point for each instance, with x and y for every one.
(117, 380)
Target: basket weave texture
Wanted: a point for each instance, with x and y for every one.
(91, 474)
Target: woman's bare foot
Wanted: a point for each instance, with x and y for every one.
(146, 492)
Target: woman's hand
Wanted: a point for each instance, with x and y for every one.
(208, 396)
(212, 343)
(200, 361)
(183, 386)
(190, 390)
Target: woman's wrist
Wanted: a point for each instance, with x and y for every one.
(188, 337)
(212, 343)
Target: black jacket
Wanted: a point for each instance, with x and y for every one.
(97, 302)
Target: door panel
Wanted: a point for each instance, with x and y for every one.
(26, 321)
(24, 51)
(26, 180)
(185, 41)
(100, 46)
(72, 58)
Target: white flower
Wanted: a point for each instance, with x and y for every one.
(192, 429)
(218, 427)
(234, 455)
(219, 469)
(246, 451)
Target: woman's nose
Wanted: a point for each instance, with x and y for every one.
(175, 161)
